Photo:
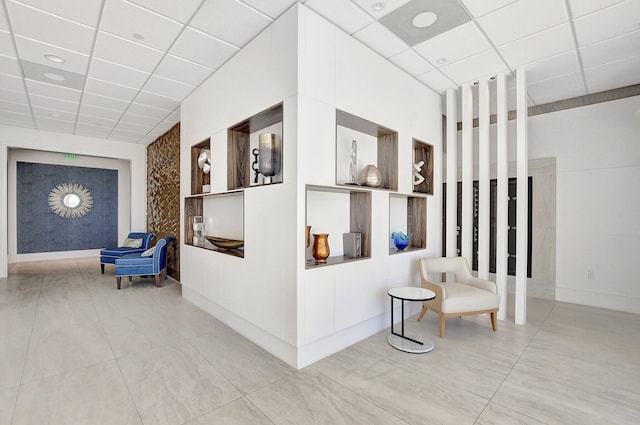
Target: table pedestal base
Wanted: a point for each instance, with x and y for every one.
(403, 344)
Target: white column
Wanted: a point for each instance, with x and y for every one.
(452, 174)
(484, 163)
(4, 259)
(502, 193)
(522, 158)
(467, 173)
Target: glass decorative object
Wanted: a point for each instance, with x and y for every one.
(198, 230)
(269, 155)
(354, 162)
(401, 240)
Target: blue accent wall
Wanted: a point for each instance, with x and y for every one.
(42, 230)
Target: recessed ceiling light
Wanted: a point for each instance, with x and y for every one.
(441, 61)
(53, 76)
(377, 6)
(424, 19)
(54, 58)
(138, 36)
(55, 114)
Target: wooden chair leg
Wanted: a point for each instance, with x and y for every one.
(442, 324)
(102, 267)
(494, 321)
(422, 313)
(118, 281)
(158, 280)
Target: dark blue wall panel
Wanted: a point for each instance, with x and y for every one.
(42, 230)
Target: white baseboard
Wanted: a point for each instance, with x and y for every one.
(58, 255)
(599, 299)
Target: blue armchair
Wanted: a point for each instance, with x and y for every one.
(109, 255)
(144, 264)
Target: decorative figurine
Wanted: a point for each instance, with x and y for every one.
(417, 177)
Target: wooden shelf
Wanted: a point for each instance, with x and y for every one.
(358, 210)
(242, 139)
(423, 152)
(412, 211)
(384, 155)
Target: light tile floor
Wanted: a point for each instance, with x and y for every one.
(74, 350)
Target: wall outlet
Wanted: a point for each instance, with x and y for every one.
(590, 275)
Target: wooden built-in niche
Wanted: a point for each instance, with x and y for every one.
(423, 152)
(198, 177)
(386, 149)
(240, 157)
(413, 209)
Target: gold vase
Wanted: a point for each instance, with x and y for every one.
(321, 247)
(308, 236)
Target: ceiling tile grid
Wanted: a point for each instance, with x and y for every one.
(119, 69)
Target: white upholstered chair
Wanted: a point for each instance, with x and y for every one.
(466, 295)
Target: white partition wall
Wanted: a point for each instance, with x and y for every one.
(522, 159)
(502, 192)
(452, 175)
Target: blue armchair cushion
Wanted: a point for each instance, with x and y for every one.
(134, 264)
(109, 255)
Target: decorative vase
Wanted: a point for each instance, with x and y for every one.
(370, 176)
(321, 247)
(400, 240)
(269, 155)
(308, 236)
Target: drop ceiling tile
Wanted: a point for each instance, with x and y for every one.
(53, 114)
(389, 6)
(581, 7)
(34, 51)
(91, 99)
(147, 111)
(53, 104)
(52, 90)
(11, 83)
(174, 117)
(344, 14)
(51, 75)
(168, 88)
(411, 62)
(458, 43)
(10, 66)
(14, 96)
(381, 40)
(564, 63)
(203, 49)
(483, 64)
(611, 50)
(126, 53)
(125, 19)
(14, 118)
(542, 91)
(436, 81)
(124, 136)
(607, 23)
(133, 128)
(139, 120)
(114, 73)
(4, 23)
(21, 108)
(183, 71)
(92, 131)
(100, 113)
(6, 45)
(42, 26)
(181, 10)
(271, 8)
(613, 75)
(230, 21)
(538, 46)
(522, 18)
(105, 88)
(52, 124)
(103, 123)
(155, 101)
(479, 8)
(85, 12)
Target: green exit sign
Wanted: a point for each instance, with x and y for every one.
(69, 156)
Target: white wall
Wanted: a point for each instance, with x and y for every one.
(14, 137)
(597, 151)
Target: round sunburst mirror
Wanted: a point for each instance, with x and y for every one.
(70, 200)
